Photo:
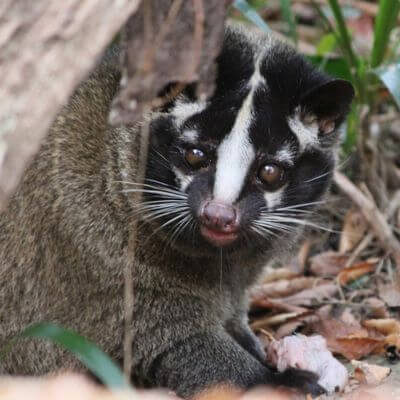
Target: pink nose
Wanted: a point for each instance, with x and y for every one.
(219, 217)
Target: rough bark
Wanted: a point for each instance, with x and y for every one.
(168, 41)
(46, 48)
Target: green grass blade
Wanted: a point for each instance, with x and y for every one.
(87, 352)
(345, 43)
(290, 19)
(390, 76)
(343, 33)
(251, 14)
(385, 21)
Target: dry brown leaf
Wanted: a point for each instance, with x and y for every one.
(67, 387)
(393, 340)
(376, 308)
(278, 305)
(386, 326)
(219, 392)
(381, 392)
(328, 263)
(354, 228)
(285, 287)
(350, 340)
(356, 347)
(370, 374)
(390, 294)
(274, 320)
(355, 271)
(274, 274)
(308, 297)
(288, 328)
(348, 317)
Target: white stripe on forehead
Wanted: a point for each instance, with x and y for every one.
(306, 133)
(236, 153)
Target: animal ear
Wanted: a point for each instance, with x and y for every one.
(327, 104)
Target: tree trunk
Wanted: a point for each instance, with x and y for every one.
(46, 48)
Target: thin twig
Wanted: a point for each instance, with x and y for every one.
(393, 206)
(128, 278)
(374, 217)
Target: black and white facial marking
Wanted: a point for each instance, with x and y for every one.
(243, 168)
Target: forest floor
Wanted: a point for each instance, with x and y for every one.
(344, 282)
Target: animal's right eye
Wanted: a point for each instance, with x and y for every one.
(272, 176)
(196, 158)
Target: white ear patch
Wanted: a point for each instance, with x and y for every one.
(184, 180)
(184, 110)
(305, 131)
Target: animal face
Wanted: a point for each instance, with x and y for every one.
(244, 168)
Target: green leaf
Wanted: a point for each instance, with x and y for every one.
(289, 18)
(337, 67)
(384, 23)
(390, 76)
(347, 49)
(326, 44)
(251, 14)
(87, 352)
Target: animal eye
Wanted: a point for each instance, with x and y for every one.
(196, 158)
(271, 174)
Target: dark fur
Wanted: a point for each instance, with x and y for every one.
(64, 240)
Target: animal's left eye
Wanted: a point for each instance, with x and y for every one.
(272, 175)
(196, 158)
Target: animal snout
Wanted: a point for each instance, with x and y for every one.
(220, 217)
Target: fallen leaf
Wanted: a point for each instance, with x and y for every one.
(309, 353)
(386, 326)
(348, 317)
(350, 340)
(271, 274)
(285, 287)
(376, 308)
(354, 228)
(274, 320)
(274, 304)
(308, 297)
(328, 263)
(390, 294)
(289, 328)
(355, 271)
(356, 347)
(370, 374)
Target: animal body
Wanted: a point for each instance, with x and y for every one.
(229, 183)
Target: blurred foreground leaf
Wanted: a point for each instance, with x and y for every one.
(390, 76)
(88, 353)
(251, 14)
(326, 44)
